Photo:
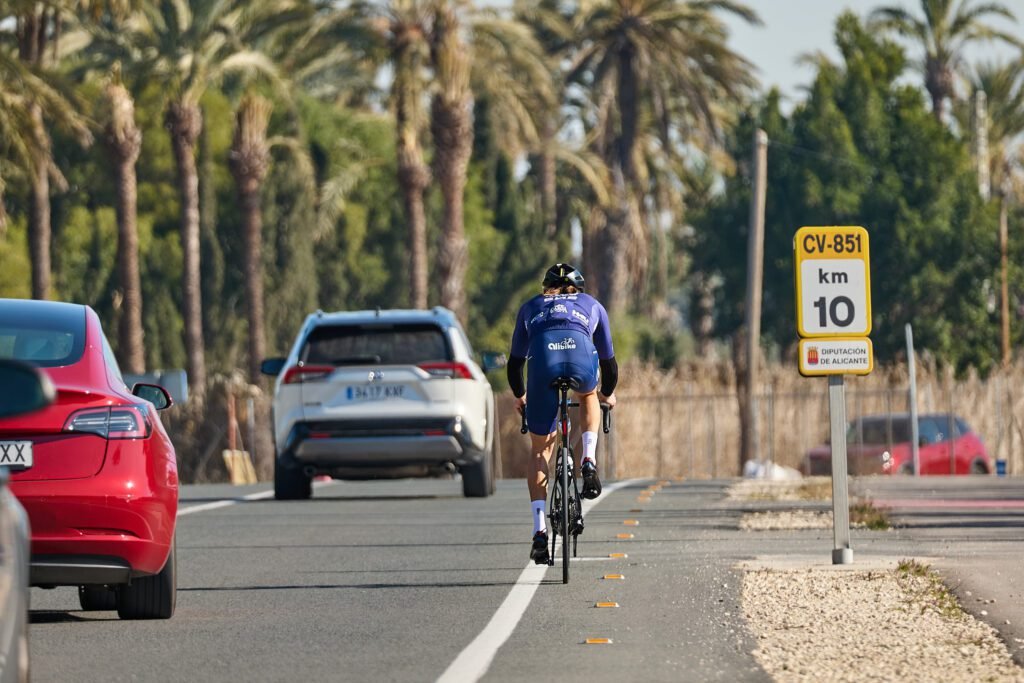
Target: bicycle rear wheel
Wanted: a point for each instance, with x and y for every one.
(563, 483)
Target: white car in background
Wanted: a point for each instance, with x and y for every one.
(383, 394)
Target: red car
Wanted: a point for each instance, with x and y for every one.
(880, 444)
(95, 471)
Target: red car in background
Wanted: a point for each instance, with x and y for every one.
(95, 471)
(880, 444)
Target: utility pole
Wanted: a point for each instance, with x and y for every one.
(755, 271)
(1004, 239)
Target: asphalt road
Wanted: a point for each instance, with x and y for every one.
(408, 581)
(391, 581)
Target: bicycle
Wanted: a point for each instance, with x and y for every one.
(566, 510)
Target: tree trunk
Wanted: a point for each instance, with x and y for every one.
(184, 121)
(3, 210)
(452, 127)
(124, 142)
(30, 29)
(413, 179)
(250, 158)
(451, 124)
(704, 316)
(413, 173)
(547, 180)
(619, 243)
(39, 229)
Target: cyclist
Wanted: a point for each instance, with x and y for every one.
(563, 332)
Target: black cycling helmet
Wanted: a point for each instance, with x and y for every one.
(563, 275)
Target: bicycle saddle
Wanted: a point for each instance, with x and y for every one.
(570, 382)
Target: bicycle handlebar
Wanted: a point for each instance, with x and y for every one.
(606, 417)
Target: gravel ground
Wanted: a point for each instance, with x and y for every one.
(894, 621)
(851, 625)
(786, 520)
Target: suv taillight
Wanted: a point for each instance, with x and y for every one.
(306, 373)
(447, 369)
(116, 422)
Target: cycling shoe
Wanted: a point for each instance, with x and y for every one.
(591, 482)
(539, 551)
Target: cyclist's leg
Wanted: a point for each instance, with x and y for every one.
(541, 448)
(586, 373)
(590, 411)
(541, 411)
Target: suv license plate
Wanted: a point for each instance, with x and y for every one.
(16, 454)
(375, 392)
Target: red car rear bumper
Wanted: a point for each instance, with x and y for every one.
(108, 528)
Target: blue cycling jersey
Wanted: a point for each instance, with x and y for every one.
(562, 311)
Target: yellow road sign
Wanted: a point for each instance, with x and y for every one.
(836, 356)
(833, 281)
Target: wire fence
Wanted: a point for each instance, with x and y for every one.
(683, 432)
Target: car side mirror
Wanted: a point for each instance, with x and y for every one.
(26, 389)
(493, 360)
(155, 394)
(272, 366)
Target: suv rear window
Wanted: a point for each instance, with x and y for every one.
(409, 344)
(45, 335)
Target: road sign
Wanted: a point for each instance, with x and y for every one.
(833, 282)
(833, 356)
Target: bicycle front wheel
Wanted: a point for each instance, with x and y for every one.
(563, 483)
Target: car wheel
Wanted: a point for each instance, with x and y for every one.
(478, 478)
(151, 597)
(97, 598)
(291, 483)
(906, 468)
(979, 467)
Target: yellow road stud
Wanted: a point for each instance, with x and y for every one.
(597, 641)
(614, 577)
(606, 604)
(618, 556)
(624, 536)
(631, 522)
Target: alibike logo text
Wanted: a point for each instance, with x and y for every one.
(566, 344)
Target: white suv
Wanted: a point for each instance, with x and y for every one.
(381, 394)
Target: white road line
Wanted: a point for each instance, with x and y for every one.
(235, 501)
(473, 662)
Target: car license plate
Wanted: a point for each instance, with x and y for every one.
(375, 392)
(16, 454)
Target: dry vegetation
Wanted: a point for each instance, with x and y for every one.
(685, 422)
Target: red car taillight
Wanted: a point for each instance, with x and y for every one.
(454, 370)
(306, 373)
(117, 422)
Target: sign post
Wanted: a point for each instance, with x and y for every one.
(833, 304)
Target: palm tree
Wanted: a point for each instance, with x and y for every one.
(944, 32)
(249, 161)
(190, 46)
(553, 32)
(395, 34)
(657, 66)
(480, 51)
(24, 97)
(36, 27)
(124, 143)
(451, 125)
(1003, 85)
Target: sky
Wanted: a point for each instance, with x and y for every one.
(794, 27)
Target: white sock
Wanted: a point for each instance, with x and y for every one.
(539, 515)
(590, 447)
